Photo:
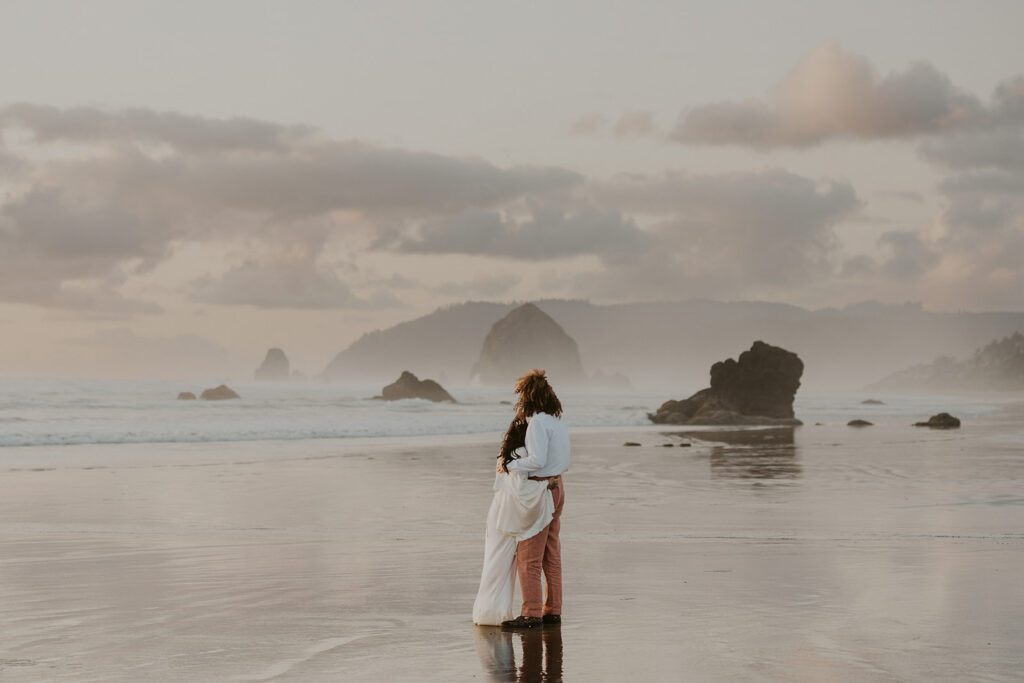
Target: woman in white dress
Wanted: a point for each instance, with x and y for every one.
(520, 509)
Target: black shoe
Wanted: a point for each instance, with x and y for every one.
(522, 622)
(552, 618)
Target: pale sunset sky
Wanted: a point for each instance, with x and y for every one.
(185, 184)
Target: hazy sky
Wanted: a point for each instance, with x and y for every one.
(185, 184)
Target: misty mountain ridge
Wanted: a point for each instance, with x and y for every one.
(672, 344)
(998, 365)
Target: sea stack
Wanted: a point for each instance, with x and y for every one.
(528, 338)
(410, 386)
(757, 389)
(275, 367)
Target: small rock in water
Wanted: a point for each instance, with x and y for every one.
(186, 396)
(220, 393)
(872, 402)
(411, 386)
(631, 443)
(668, 445)
(859, 423)
(940, 421)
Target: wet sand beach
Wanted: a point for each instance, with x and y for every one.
(824, 553)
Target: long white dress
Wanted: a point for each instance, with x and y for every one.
(521, 508)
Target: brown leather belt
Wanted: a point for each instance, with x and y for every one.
(545, 478)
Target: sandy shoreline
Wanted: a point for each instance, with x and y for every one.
(881, 554)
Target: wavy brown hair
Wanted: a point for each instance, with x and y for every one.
(536, 395)
(515, 438)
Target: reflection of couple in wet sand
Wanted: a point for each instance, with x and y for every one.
(542, 654)
(524, 520)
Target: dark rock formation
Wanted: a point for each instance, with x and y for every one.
(757, 389)
(859, 423)
(528, 338)
(186, 396)
(631, 443)
(410, 386)
(221, 393)
(275, 367)
(940, 421)
(872, 402)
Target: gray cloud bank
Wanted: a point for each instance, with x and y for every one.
(833, 94)
(94, 198)
(96, 195)
(973, 251)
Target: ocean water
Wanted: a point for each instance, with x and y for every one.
(54, 412)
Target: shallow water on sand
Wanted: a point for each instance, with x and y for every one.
(821, 553)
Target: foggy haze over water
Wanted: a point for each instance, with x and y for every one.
(183, 210)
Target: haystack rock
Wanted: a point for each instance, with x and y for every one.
(410, 386)
(757, 389)
(529, 338)
(221, 393)
(275, 367)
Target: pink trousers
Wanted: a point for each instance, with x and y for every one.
(542, 553)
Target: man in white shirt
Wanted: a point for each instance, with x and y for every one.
(546, 458)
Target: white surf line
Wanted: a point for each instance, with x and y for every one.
(282, 667)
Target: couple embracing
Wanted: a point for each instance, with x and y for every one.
(525, 515)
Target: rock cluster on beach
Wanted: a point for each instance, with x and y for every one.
(410, 386)
(940, 421)
(528, 338)
(756, 389)
(275, 367)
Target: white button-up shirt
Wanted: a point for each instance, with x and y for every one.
(547, 447)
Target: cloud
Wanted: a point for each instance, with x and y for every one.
(631, 124)
(636, 124)
(1008, 99)
(832, 93)
(972, 252)
(724, 235)
(905, 195)
(312, 181)
(588, 124)
(184, 133)
(296, 283)
(11, 165)
(998, 148)
(909, 255)
(136, 182)
(59, 252)
(491, 287)
(545, 233)
(981, 239)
